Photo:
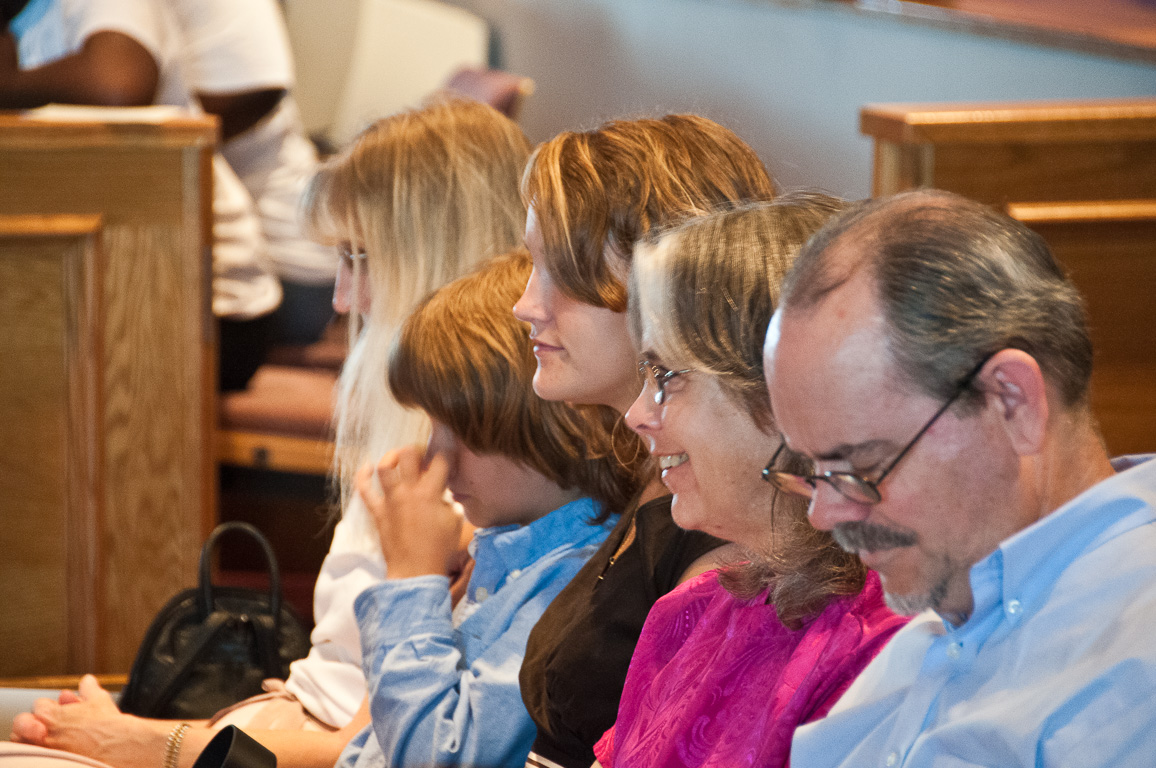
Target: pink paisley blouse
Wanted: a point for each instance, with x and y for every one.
(718, 681)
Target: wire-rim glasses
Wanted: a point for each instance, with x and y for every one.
(849, 484)
(661, 375)
(349, 255)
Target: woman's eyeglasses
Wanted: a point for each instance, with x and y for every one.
(349, 255)
(662, 376)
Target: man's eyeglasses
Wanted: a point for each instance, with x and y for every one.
(349, 255)
(850, 485)
(662, 377)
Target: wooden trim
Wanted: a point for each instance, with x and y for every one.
(111, 682)
(82, 268)
(277, 452)
(900, 167)
(85, 361)
(1124, 29)
(198, 180)
(1019, 122)
(33, 225)
(1083, 211)
(24, 131)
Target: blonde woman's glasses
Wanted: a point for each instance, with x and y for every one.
(348, 254)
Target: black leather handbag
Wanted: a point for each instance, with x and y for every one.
(211, 646)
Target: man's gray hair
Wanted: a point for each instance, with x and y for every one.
(956, 281)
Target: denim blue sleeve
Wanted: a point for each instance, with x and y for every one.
(428, 705)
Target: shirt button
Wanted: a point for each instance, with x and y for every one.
(515, 573)
(482, 594)
(953, 651)
(893, 759)
(1014, 608)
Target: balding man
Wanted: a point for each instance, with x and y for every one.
(932, 359)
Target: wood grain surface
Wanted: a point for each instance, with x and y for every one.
(49, 471)
(153, 350)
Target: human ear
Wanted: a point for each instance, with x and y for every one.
(1013, 382)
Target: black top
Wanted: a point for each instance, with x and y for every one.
(578, 653)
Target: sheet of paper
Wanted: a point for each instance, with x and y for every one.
(79, 113)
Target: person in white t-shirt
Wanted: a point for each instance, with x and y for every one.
(130, 53)
(237, 59)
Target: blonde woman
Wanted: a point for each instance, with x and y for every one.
(417, 199)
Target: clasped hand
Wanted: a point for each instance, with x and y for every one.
(419, 529)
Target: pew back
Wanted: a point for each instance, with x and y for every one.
(1083, 175)
(109, 384)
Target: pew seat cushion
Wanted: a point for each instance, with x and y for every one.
(283, 400)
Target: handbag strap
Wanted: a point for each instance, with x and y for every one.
(205, 600)
(204, 637)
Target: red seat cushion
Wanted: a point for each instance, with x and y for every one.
(283, 400)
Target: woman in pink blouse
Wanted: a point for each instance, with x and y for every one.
(731, 662)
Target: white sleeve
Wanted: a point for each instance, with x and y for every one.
(142, 20)
(329, 682)
(234, 45)
(59, 28)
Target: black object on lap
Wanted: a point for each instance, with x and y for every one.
(212, 646)
(233, 748)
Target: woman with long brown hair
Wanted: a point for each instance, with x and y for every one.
(591, 197)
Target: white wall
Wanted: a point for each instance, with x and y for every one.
(787, 77)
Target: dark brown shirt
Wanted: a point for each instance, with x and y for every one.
(578, 654)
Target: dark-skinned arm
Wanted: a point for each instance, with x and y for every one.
(111, 69)
(240, 111)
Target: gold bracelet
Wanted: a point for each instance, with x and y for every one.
(173, 745)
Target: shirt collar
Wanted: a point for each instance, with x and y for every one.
(1018, 576)
(502, 550)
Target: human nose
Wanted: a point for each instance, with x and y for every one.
(828, 508)
(530, 308)
(443, 442)
(343, 289)
(645, 415)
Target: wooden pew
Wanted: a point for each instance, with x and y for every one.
(50, 398)
(108, 392)
(1083, 175)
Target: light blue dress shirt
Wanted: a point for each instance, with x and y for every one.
(441, 695)
(1056, 666)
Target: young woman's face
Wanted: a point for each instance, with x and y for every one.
(711, 454)
(584, 352)
(493, 489)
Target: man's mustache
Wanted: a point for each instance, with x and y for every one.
(865, 537)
